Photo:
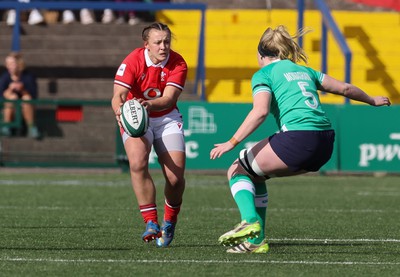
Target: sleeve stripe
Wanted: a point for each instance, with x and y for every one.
(260, 85)
(322, 77)
(175, 85)
(122, 84)
(261, 88)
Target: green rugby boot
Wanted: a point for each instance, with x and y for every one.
(248, 247)
(240, 233)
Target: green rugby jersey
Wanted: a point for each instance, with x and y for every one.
(295, 102)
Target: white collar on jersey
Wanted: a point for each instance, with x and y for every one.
(150, 63)
(275, 61)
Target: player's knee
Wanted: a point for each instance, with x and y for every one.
(233, 169)
(175, 181)
(138, 166)
(229, 173)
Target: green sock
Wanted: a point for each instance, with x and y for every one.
(261, 202)
(242, 190)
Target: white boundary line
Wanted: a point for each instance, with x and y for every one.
(210, 209)
(72, 182)
(123, 261)
(333, 240)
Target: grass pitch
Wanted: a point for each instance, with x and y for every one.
(89, 225)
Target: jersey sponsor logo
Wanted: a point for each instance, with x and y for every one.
(121, 70)
(152, 93)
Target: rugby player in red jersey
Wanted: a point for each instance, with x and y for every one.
(155, 75)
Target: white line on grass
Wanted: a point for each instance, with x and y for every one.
(48, 260)
(213, 209)
(311, 210)
(119, 183)
(56, 208)
(87, 183)
(378, 193)
(333, 240)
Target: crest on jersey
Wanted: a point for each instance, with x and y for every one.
(162, 76)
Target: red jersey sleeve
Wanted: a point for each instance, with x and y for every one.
(178, 73)
(127, 71)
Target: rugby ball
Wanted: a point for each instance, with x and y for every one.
(134, 118)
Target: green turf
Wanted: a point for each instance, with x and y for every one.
(89, 225)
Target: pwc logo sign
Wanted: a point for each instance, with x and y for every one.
(389, 153)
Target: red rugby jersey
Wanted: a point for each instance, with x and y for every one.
(147, 80)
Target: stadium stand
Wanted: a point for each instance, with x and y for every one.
(79, 62)
(75, 61)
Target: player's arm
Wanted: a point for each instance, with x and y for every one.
(172, 91)
(350, 91)
(256, 116)
(119, 97)
(259, 112)
(167, 100)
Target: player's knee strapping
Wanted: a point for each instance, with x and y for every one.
(249, 163)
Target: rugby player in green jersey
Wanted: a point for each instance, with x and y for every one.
(289, 92)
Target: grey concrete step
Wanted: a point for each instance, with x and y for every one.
(70, 57)
(77, 61)
(86, 89)
(90, 140)
(96, 29)
(75, 44)
(89, 89)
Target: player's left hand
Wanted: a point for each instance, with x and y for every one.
(145, 103)
(220, 148)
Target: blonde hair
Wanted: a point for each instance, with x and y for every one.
(18, 58)
(279, 43)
